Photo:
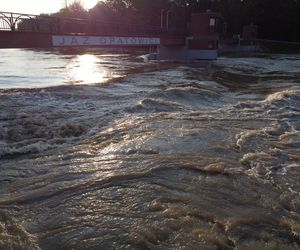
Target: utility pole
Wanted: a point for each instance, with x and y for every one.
(168, 17)
(162, 18)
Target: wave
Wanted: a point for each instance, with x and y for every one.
(290, 97)
(13, 235)
(155, 105)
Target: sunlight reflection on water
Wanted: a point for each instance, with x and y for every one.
(87, 69)
(31, 69)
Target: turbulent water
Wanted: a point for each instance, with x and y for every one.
(124, 154)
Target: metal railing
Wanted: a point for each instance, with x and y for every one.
(51, 24)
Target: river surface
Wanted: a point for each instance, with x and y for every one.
(101, 150)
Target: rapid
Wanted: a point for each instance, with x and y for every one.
(102, 150)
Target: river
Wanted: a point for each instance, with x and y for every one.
(102, 150)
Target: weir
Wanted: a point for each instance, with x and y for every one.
(199, 41)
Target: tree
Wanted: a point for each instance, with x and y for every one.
(74, 10)
(276, 19)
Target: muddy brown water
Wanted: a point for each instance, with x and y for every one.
(123, 154)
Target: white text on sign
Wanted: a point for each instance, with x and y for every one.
(103, 41)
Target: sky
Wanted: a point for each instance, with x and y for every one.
(38, 6)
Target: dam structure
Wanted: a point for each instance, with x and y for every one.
(199, 40)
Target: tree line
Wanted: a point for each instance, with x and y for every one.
(276, 19)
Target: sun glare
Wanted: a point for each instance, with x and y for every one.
(88, 4)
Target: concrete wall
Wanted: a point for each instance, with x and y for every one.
(25, 39)
(181, 53)
(18, 39)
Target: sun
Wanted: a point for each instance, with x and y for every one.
(88, 4)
